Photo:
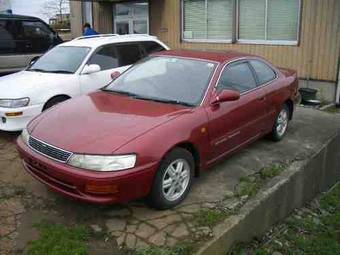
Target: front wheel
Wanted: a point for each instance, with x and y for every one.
(281, 124)
(173, 179)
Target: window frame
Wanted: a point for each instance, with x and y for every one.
(235, 29)
(256, 76)
(235, 63)
(99, 49)
(245, 60)
(207, 40)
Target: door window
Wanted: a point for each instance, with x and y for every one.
(131, 18)
(237, 77)
(151, 47)
(39, 35)
(128, 54)
(106, 58)
(264, 72)
(7, 37)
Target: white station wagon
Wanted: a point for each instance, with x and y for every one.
(78, 67)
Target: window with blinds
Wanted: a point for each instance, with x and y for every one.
(258, 21)
(268, 20)
(207, 19)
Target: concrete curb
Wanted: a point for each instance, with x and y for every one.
(300, 183)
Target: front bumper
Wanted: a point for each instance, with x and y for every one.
(18, 123)
(72, 182)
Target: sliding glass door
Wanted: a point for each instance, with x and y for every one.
(131, 18)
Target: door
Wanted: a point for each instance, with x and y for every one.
(234, 124)
(131, 18)
(14, 47)
(110, 58)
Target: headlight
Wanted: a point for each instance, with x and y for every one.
(103, 163)
(25, 135)
(14, 103)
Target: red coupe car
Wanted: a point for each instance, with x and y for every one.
(156, 126)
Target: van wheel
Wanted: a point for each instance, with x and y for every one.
(54, 101)
(281, 124)
(173, 180)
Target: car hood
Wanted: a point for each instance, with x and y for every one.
(25, 83)
(101, 122)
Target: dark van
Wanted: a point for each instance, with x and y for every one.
(22, 39)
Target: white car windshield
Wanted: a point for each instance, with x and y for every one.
(166, 79)
(61, 59)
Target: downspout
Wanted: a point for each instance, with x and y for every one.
(337, 96)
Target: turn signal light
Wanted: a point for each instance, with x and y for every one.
(101, 188)
(13, 114)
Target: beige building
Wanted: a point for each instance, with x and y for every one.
(299, 34)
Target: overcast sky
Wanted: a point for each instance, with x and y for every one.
(28, 7)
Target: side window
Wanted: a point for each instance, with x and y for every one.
(106, 58)
(128, 54)
(264, 72)
(237, 77)
(151, 47)
(7, 37)
(38, 34)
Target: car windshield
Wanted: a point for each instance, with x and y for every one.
(166, 79)
(60, 59)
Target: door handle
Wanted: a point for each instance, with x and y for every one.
(261, 98)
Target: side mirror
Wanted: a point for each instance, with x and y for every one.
(93, 68)
(226, 96)
(115, 75)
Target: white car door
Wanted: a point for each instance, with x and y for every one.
(110, 58)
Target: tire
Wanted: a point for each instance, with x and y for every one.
(281, 124)
(54, 101)
(160, 196)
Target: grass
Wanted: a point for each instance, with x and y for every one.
(333, 109)
(314, 231)
(209, 217)
(250, 185)
(184, 248)
(56, 239)
(272, 171)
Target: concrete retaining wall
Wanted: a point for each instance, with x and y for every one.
(300, 183)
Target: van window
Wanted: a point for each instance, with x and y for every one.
(39, 36)
(11, 37)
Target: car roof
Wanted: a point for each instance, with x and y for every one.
(215, 56)
(18, 17)
(102, 39)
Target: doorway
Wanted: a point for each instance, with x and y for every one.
(131, 18)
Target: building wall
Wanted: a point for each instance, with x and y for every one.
(76, 18)
(103, 17)
(316, 57)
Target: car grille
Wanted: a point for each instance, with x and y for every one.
(49, 150)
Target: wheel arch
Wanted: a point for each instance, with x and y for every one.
(190, 147)
(56, 96)
(290, 105)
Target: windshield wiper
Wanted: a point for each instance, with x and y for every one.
(121, 92)
(168, 101)
(60, 71)
(37, 70)
(135, 96)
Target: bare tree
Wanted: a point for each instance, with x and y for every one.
(53, 7)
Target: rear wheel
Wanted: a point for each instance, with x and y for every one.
(173, 179)
(281, 124)
(54, 101)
